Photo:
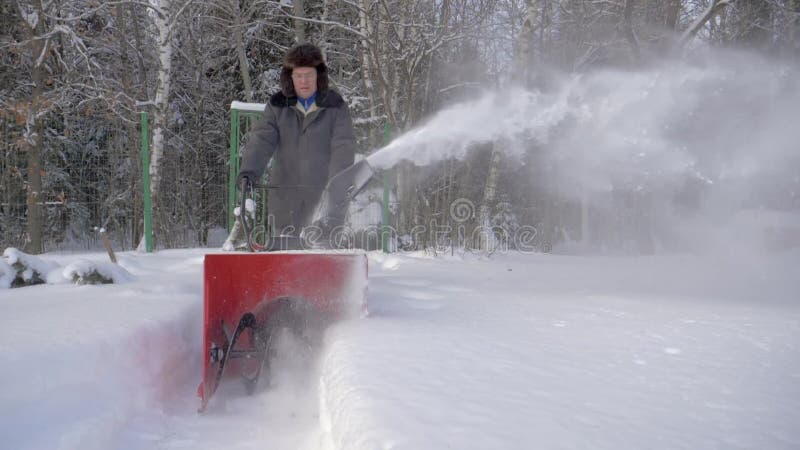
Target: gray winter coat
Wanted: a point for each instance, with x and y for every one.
(307, 150)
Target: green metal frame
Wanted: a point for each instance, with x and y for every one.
(236, 131)
(233, 164)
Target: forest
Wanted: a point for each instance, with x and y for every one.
(76, 76)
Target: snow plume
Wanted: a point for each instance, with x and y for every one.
(514, 115)
(728, 119)
(681, 139)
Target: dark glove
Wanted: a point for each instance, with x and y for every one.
(250, 177)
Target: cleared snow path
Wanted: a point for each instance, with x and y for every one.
(117, 366)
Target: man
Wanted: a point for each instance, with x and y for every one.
(307, 130)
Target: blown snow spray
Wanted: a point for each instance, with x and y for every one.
(722, 131)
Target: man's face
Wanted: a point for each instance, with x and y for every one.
(305, 81)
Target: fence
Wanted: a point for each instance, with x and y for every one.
(92, 178)
(89, 179)
(191, 208)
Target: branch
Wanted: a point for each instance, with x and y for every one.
(180, 11)
(105, 5)
(713, 9)
(458, 85)
(629, 29)
(330, 23)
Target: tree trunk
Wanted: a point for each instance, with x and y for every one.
(161, 113)
(673, 11)
(238, 37)
(35, 244)
(489, 194)
(366, 75)
(35, 132)
(794, 30)
(524, 57)
(141, 69)
(628, 27)
(299, 25)
(545, 37)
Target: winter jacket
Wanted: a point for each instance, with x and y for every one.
(307, 150)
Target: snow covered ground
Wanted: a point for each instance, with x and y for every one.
(515, 351)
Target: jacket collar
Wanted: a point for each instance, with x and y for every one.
(307, 102)
(326, 99)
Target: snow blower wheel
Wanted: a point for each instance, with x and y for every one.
(245, 345)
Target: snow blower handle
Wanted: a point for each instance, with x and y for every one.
(248, 223)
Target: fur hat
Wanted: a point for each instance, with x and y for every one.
(303, 55)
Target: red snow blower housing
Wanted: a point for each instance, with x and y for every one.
(248, 297)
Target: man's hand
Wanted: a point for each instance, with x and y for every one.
(246, 179)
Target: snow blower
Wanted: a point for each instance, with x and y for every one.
(249, 297)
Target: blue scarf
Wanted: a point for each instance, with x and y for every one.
(306, 102)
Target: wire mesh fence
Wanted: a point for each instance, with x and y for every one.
(12, 189)
(92, 179)
(89, 181)
(192, 209)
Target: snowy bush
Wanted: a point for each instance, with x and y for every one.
(7, 275)
(19, 269)
(87, 272)
(27, 269)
